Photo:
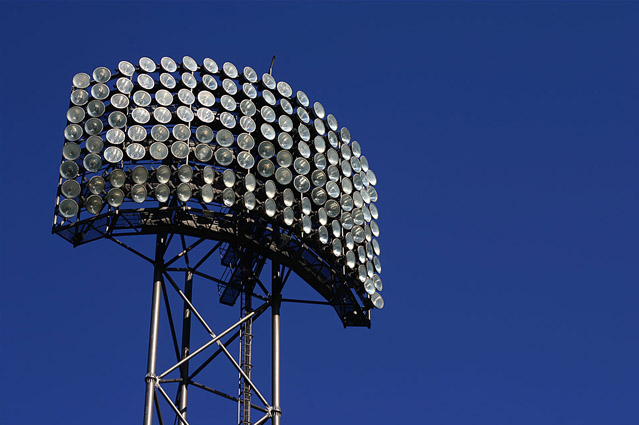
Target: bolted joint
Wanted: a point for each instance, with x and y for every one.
(151, 377)
(274, 411)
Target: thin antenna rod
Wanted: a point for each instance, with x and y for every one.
(270, 70)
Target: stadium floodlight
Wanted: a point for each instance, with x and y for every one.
(221, 154)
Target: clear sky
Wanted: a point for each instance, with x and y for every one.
(505, 138)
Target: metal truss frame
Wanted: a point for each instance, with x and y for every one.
(186, 355)
(340, 288)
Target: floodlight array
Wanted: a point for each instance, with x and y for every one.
(211, 138)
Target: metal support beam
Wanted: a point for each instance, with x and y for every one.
(276, 302)
(153, 333)
(186, 343)
(245, 357)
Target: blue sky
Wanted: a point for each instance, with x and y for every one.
(505, 139)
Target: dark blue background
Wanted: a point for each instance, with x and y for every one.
(505, 137)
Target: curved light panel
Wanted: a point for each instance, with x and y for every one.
(209, 151)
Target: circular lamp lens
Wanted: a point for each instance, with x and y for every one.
(228, 178)
(185, 114)
(319, 110)
(336, 228)
(266, 149)
(207, 194)
(113, 154)
(332, 189)
(369, 286)
(302, 98)
(361, 254)
(323, 234)
(270, 207)
(93, 204)
(286, 106)
(267, 131)
(204, 134)
(209, 82)
(96, 185)
(285, 123)
(337, 247)
(318, 195)
(92, 162)
(142, 98)
(70, 189)
(180, 150)
(203, 152)
(95, 108)
(71, 151)
(284, 158)
(139, 174)
(81, 80)
(124, 85)
(265, 168)
(208, 174)
(283, 176)
(185, 173)
(228, 102)
(245, 141)
(162, 115)
(289, 216)
(94, 144)
(289, 197)
(347, 221)
(167, 80)
(377, 264)
(303, 115)
(269, 97)
(68, 208)
(345, 135)
(117, 119)
(302, 166)
(284, 89)
(210, 66)
(350, 259)
(377, 300)
(322, 216)
(100, 91)
(126, 68)
(93, 126)
(306, 206)
(247, 107)
(189, 63)
(320, 161)
(249, 200)
(73, 132)
(138, 193)
(229, 86)
(158, 151)
(228, 197)
(224, 138)
(302, 184)
(79, 97)
(135, 151)
(285, 140)
(224, 156)
(269, 189)
(147, 64)
(230, 70)
(245, 160)
(332, 208)
(377, 281)
(163, 174)
(249, 182)
(168, 64)
(117, 178)
(75, 114)
(115, 197)
(184, 192)
(306, 224)
(268, 81)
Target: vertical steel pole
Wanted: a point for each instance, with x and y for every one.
(158, 268)
(245, 355)
(276, 298)
(186, 342)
